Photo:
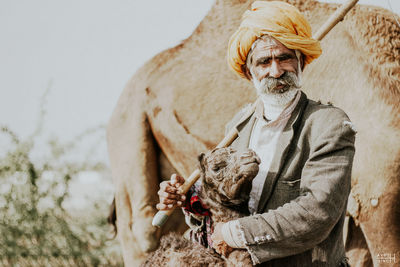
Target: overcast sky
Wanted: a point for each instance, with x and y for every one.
(85, 50)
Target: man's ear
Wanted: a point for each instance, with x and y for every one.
(302, 60)
(246, 72)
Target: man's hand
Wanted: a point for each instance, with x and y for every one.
(170, 195)
(218, 241)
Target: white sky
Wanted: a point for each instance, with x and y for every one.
(87, 50)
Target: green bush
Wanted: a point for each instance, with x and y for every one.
(36, 228)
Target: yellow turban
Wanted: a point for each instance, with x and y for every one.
(280, 20)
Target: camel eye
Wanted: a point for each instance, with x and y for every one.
(216, 168)
(218, 165)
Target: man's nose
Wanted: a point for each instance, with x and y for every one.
(275, 70)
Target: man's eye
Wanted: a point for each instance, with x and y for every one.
(285, 57)
(264, 61)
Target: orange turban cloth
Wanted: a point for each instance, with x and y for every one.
(280, 20)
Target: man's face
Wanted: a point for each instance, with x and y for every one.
(273, 67)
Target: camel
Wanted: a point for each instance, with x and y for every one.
(177, 104)
(224, 187)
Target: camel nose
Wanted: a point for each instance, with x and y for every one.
(251, 155)
(254, 154)
(255, 157)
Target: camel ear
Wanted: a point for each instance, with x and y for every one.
(202, 162)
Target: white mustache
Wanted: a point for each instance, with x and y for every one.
(270, 84)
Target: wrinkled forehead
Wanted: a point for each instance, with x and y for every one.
(267, 43)
(267, 46)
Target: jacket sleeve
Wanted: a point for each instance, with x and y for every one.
(306, 221)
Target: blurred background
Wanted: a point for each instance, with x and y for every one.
(63, 65)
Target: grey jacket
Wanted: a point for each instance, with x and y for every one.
(303, 203)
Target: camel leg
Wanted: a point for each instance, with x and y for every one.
(381, 227)
(134, 169)
(131, 251)
(356, 247)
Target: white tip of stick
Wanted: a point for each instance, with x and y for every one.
(159, 219)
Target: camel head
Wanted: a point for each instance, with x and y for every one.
(227, 175)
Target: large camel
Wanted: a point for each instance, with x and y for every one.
(177, 104)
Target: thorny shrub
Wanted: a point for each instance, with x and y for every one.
(36, 229)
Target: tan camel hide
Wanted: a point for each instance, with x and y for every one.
(178, 103)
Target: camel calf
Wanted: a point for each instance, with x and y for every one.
(226, 177)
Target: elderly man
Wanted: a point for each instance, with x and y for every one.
(299, 196)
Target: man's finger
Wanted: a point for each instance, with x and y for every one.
(180, 179)
(161, 206)
(168, 201)
(171, 189)
(163, 192)
(170, 196)
(164, 184)
(175, 179)
(179, 191)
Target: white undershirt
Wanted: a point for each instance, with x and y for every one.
(265, 136)
(272, 115)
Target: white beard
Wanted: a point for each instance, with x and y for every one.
(271, 95)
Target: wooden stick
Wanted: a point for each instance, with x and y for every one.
(334, 19)
(162, 216)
